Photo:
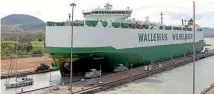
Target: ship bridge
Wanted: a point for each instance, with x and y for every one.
(107, 14)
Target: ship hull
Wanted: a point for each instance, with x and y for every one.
(109, 57)
(95, 47)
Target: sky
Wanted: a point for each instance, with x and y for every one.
(57, 10)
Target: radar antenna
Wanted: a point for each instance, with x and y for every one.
(147, 18)
(108, 6)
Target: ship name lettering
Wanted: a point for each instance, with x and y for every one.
(181, 36)
(147, 37)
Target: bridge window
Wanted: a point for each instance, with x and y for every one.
(189, 29)
(145, 26)
(161, 27)
(199, 29)
(174, 28)
(128, 12)
(86, 13)
(168, 27)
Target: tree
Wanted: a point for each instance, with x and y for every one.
(44, 44)
(40, 36)
(36, 50)
(7, 49)
(18, 45)
(29, 47)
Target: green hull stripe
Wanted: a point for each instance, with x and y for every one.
(79, 50)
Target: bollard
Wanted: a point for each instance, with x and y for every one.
(152, 64)
(22, 90)
(150, 67)
(146, 68)
(171, 60)
(82, 88)
(160, 65)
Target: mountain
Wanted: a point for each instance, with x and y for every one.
(15, 19)
(22, 22)
(207, 29)
(208, 32)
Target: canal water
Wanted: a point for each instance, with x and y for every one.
(40, 81)
(176, 81)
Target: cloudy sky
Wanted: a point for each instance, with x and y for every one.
(57, 10)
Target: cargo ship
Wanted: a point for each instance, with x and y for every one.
(108, 37)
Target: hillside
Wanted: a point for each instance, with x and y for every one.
(15, 19)
(207, 29)
(22, 23)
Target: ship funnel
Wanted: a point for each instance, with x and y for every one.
(190, 22)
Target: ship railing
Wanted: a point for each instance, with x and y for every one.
(123, 24)
(66, 23)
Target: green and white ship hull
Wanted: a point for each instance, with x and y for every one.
(109, 45)
(93, 46)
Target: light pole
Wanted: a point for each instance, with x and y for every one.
(194, 47)
(72, 5)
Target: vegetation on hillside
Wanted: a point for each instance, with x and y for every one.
(39, 36)
(24, 46)
(23, 28)
(10, 28)
(9, 48)
(31, 27)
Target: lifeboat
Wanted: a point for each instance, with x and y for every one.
(138, 26)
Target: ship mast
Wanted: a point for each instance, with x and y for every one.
(161, 18)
